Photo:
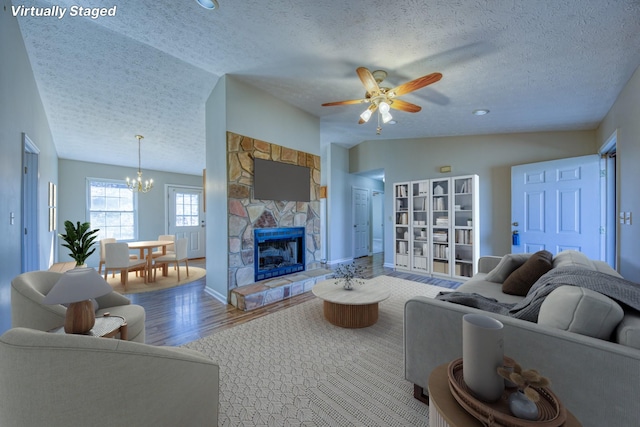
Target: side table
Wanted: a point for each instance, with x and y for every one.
(444, 410)
(106, 326)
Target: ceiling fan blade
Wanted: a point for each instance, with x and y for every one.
(414, 84)
(401, 105)
(368, 81)
(349, 102)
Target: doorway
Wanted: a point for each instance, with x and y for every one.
(552, 206)
(609, 201)
(377, 222)
(360, 201)
(185, 213)
(30, 251)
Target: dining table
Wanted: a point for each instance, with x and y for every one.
(149, 246)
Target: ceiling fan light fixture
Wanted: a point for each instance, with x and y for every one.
(386, 117)
(366, 115)
(209, 4)
(384, 107)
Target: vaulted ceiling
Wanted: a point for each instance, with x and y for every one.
(536, 65)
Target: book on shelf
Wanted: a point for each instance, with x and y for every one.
(440, 204)
(464, 237)
(466, 186)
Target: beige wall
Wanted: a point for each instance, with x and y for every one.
(489, 156)
(624, 119)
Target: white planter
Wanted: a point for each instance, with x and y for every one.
(482, 354)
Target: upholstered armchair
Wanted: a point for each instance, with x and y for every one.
(65, 380)
(27, 310)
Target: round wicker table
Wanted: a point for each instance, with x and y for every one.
(355, 308)
(444, 410)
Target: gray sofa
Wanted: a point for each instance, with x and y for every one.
(598, 380)
(76, 380)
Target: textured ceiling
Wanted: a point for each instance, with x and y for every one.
(537, 65)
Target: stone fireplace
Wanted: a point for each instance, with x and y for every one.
(246, 214)
(278, 251)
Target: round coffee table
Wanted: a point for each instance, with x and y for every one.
(355, 308)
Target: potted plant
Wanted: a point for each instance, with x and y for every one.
(348, 275)
(79, 240)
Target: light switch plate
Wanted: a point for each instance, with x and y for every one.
(627, 218)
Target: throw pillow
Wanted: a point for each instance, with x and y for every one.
(580, 310)
(520, 281)
(505, 267)
(572, 258)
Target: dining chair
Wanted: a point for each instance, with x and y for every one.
(104, 242)
(171, 249)
(117, 258)
(178, 256)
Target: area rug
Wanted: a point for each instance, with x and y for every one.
(136, 285)
(294, 368)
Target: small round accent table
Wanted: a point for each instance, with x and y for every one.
(106, 326)
(355, 308)
(445, 411)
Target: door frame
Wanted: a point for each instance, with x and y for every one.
(167, 222)
(353, 221)
(377, 193)
(30, 254)
(610, 228)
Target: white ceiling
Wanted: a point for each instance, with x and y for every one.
(537, 65)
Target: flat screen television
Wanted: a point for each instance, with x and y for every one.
(281, 181)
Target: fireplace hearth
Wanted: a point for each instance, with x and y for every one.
(278, 251)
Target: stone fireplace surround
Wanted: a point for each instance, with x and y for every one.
(246, 214)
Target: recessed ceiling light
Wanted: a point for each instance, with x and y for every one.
(208, 4)
(392, 122)
(480, 112)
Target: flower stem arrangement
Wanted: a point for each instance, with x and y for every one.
(522, 403)
(348, 275)
(525, 380)
(79, 240)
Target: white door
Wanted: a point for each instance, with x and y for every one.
(186, 218)
(360, 199)
(555, 205)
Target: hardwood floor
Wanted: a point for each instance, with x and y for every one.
(179, 315)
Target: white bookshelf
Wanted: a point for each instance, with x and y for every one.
(436, 226)
(401, 226)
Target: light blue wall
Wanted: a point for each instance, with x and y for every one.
(624, 117)
(488, 156)
(21, 110)
(72, 199)
(339, 206)
(254, 113)
(216, 192)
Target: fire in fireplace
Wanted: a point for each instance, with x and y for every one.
(278, 251)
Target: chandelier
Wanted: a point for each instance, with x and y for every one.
(136, 184)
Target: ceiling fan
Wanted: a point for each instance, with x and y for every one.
(383, 98)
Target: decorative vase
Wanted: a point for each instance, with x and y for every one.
(482, 354)
(522, 407)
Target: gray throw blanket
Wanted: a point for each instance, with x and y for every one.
(618, 289)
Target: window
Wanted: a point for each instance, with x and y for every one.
(112, 209)
(187, 209)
